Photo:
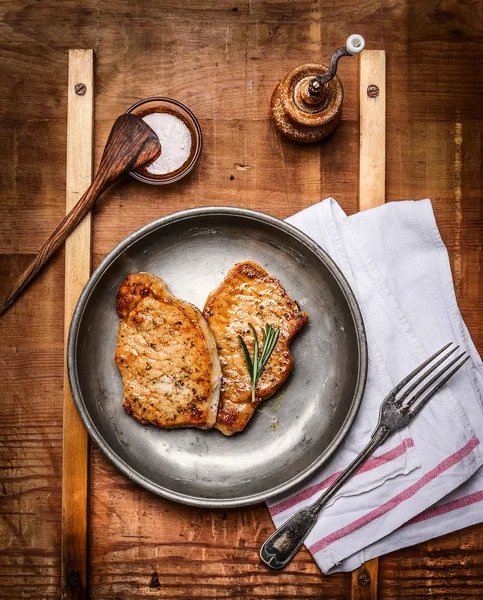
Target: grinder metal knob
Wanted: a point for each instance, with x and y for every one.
(306, 106)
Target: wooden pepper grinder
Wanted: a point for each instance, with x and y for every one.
(307, 104)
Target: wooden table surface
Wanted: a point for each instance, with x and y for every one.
(223, 60)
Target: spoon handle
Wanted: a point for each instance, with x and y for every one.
(131, 143)
(55, 240)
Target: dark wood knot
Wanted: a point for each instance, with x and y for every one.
(154, 580)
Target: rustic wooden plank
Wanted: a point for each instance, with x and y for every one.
(447, 567)
(372, 150)
(428, 134)
(205, 54)
(372, 192)
(80, 136)
(365, 581)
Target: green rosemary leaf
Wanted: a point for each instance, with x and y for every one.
(270, 338)
(248, 360)
(255, 374)
(256, 365)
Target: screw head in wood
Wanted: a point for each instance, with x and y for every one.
(373, 91)
(80, 89)
(364, 578)
(74, 579)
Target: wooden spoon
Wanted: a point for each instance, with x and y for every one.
(131, 144)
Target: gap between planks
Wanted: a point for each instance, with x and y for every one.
(80, 128)
(372, 192)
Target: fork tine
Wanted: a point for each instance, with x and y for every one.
(422, 403)
(419, 380)
(433, 379)
(408, 378)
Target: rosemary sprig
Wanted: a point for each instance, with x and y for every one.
(256, 364)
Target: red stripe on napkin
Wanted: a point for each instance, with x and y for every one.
(370, 464)
(442, 509)
(443, 466)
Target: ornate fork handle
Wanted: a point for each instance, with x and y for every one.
(282, 545)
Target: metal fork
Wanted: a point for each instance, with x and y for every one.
(396, 412)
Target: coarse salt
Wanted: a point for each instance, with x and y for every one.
(175, 139)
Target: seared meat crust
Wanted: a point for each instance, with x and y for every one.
(166, 355)
(249, 294)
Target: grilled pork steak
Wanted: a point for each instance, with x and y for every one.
(166, 355)
(250, 295)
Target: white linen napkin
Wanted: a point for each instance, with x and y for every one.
(398, 268)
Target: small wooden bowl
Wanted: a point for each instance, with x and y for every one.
(168, 105)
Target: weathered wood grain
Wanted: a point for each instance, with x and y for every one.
(138, 145)
(372, 193)
(206, 54)
(365, 581)
(372, 146)
(80, 138)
